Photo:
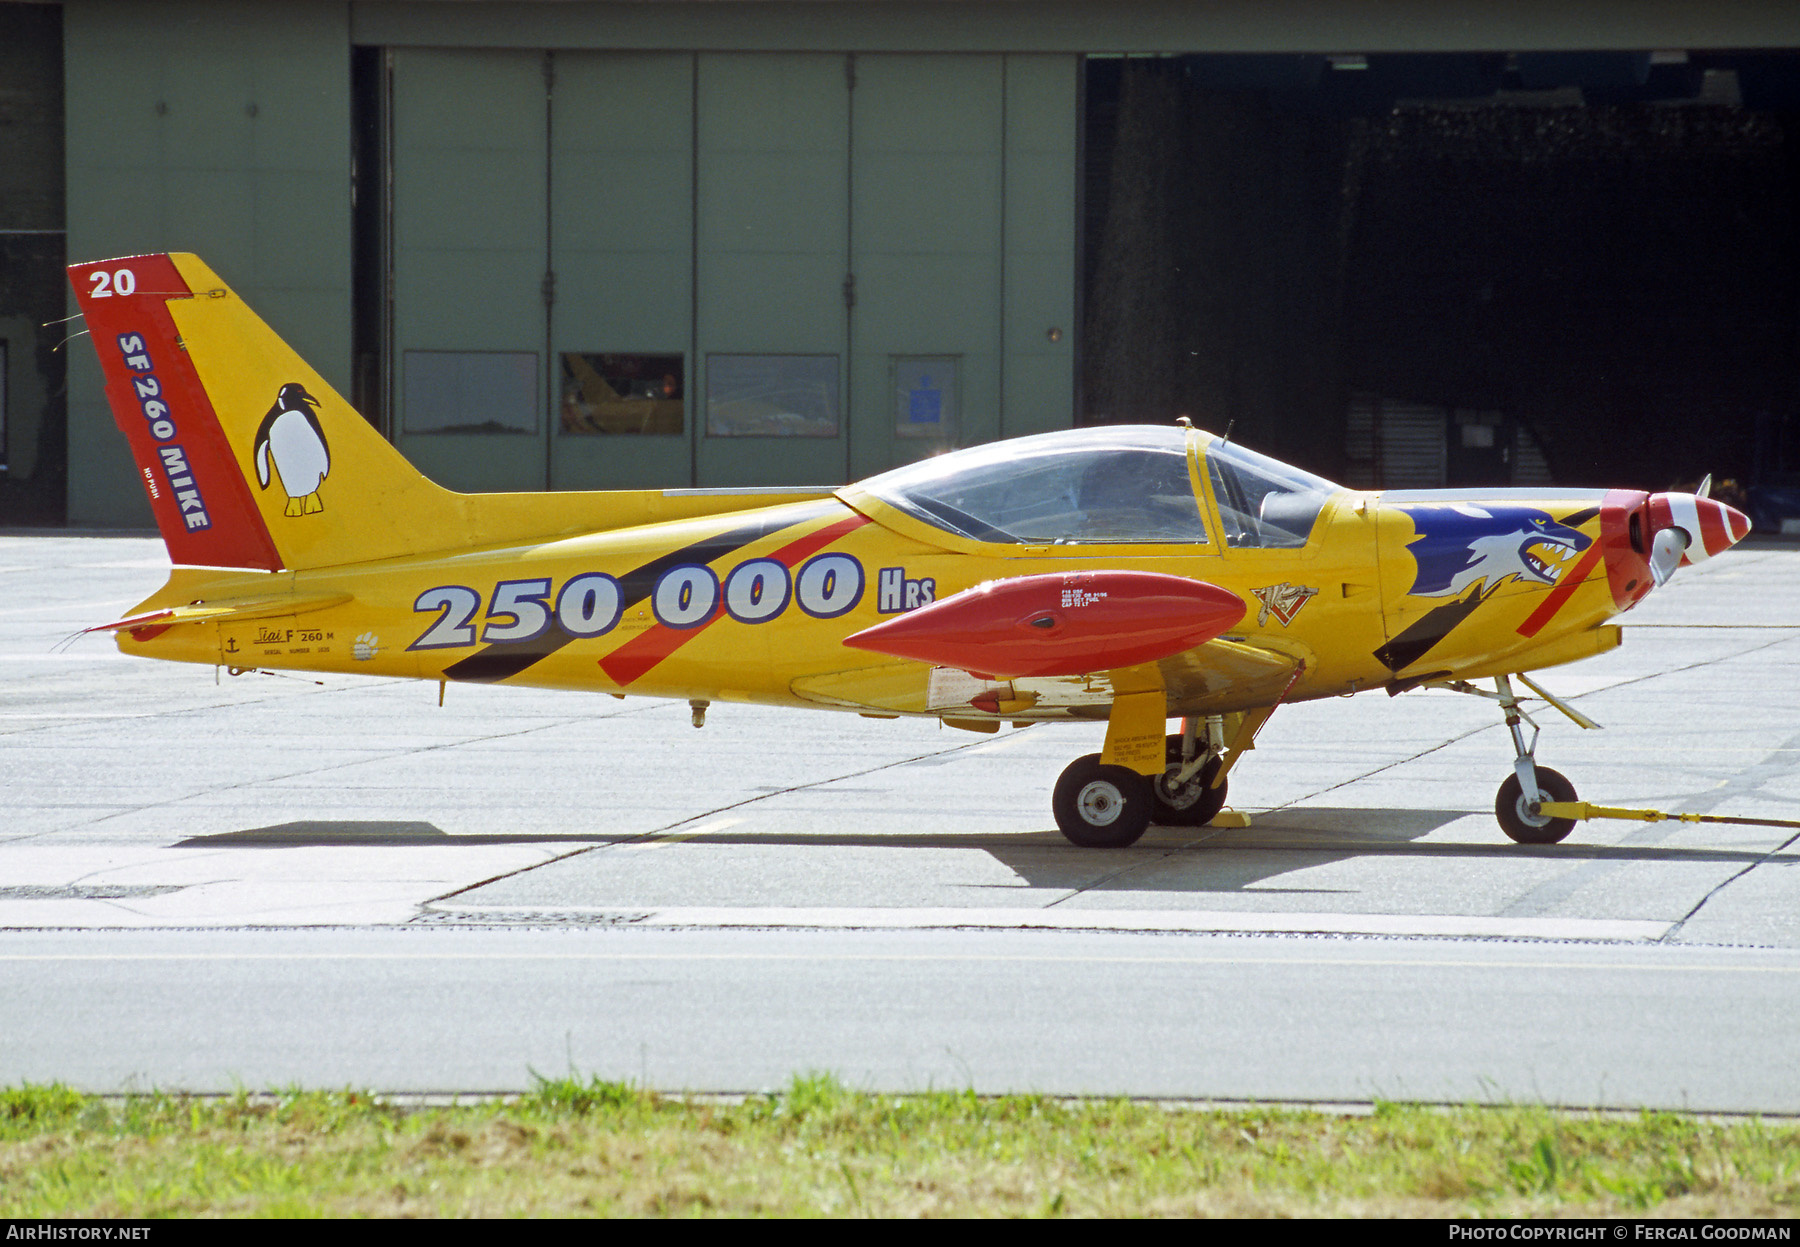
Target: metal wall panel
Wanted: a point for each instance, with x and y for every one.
(217, 128)
(772, 243)
(712, 207)
(1042, 114)
(622, 246)
(926, 229)
(469, 242)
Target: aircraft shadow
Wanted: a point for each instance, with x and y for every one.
(1167, 859)
(372, 834)
(1230, 860)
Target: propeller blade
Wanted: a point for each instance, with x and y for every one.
(1705, 490)
(1665, 554)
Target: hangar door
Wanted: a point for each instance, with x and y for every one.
(617, 270)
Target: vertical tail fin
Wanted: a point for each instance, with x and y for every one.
(252, 461)
(249, 458)
(199, 496)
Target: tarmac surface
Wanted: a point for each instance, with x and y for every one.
(209, 881)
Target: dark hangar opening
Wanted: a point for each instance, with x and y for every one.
(1476, 269)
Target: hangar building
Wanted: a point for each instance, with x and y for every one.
(577, 244)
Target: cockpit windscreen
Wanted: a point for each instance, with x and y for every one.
(1263, 502)
(1116, 483)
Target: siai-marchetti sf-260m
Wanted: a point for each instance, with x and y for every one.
(1131, 574)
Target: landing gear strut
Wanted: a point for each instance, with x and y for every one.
(1529, 785)
(1183, 793)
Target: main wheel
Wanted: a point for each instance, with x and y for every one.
(1192, 804)
(1101, 807)
(1514, 812)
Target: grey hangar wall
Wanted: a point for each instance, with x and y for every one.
(874, 200)
(860, 220)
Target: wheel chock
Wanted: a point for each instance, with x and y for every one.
(1229, 818)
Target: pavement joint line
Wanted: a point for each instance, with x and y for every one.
(1304, 962)
(651, 917)
(1490, 726)
(679, 823)
(472, 929)
(675, 837)
(337, 766)
(1669, 935)
(1162, 856)
(1693, 666)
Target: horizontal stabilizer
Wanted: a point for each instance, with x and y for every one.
(150, 623)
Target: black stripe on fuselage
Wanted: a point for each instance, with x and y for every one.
(1426, 631)
(498, 662)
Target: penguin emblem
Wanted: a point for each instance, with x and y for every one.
(290, 436)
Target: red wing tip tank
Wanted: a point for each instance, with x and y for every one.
(1061, 623)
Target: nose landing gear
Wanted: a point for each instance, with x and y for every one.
(1516, 806)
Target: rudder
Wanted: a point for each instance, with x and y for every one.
(200, 499)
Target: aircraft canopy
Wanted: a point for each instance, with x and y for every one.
(1114, 484)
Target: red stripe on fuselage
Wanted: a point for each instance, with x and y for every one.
(632, 660)
(1557, 596)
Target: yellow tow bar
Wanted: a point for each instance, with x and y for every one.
(1580, 810)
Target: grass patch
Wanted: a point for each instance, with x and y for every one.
(573, 1148)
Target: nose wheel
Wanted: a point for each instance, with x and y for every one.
(1518, 816)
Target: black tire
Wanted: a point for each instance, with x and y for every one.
(1519, 823)
(1101, 807)
(1193, 804)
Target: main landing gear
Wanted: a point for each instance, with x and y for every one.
(1108, 807)
(1099, 806)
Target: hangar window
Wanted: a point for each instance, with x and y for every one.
(1262, 501)
(471, 392)
(1117, 484)
(772, 395)
(604, 393)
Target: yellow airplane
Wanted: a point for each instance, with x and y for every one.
(1131, 574)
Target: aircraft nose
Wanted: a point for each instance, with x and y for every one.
(1689, 529)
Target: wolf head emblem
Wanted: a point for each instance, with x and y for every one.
(1465, 544)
